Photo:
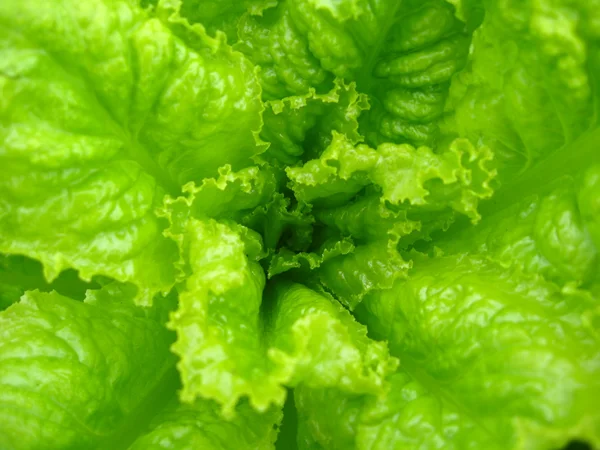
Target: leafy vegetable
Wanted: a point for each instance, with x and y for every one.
(374, 225)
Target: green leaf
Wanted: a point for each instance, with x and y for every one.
(265, 171)
(71, 373)
(218, 322)
(408, 194)
(94, 134)
(282, 224)
(457, 178)
(230, 349)
(402, 54)
(409, 416)
(367, 218)
(288, 67)
(531, 86)
(370, 267)
(322, 345)
(200, 426)
(248, 196)
(230, 196)
(514, 353)
(286, 260)
(550, 233)
(14, 281)
(588, 203)
(301, 126)
(222, 15)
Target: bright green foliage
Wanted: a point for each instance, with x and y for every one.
(410, 183)
(222, 16)
(534, 73)
(94, 134)
(199, 426)
(401, 53)
(373, 225)
(218, 323)
(321, 341)
(551, 234)
(227, 347)
(302, 125)
(388, 422)
(456, 178)
(482, 350)
(496, 342)
(71, 373)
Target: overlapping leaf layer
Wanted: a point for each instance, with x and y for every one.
(382, 214)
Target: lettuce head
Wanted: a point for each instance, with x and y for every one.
(299, 224)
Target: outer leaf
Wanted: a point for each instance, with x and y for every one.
(72, 373)
(93, 133)
(200, 426)
(531, 84)
(512, 352)
(409, 416)
(551, 234)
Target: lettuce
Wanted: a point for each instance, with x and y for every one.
(303, 224)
